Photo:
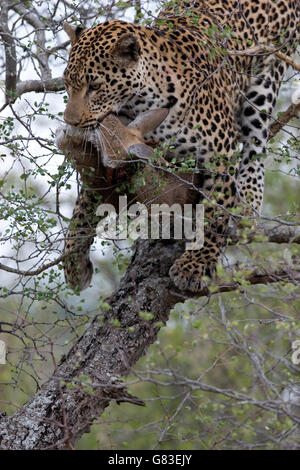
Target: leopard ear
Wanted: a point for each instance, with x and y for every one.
(73, 32)
(127, 48)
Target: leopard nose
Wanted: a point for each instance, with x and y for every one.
(72, 114)
(72, 120)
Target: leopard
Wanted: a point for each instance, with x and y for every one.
(213, 65)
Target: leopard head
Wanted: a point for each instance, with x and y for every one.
(104, 71)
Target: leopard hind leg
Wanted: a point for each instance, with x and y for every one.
(257, 108)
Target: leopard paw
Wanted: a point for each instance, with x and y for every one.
(78, 276)
(192, 276)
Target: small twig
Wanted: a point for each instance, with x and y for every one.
(267, 50)
(285, 117)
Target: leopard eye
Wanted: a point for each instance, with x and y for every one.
(93, 86)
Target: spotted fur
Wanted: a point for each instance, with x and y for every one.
(190, 61)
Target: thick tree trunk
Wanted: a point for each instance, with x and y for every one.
(88, 378)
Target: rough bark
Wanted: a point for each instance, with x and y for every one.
(290, 113)
(59, 414)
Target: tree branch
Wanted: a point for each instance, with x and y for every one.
(272, 234)
(267, 50)
(40, 86)
(292, 112)
(10, 54)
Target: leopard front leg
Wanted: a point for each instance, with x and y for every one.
(78, 268)
(191, 270)
(217, 160)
